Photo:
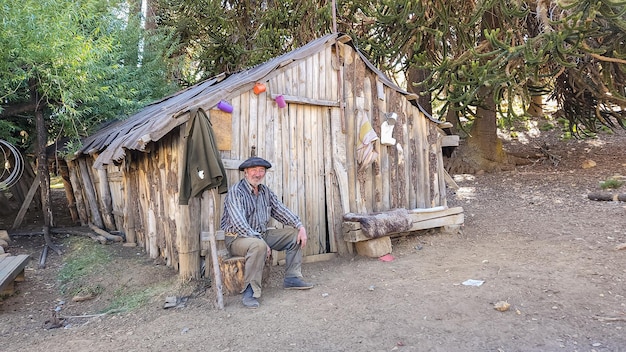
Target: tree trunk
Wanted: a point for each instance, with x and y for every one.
(44, 178)
(484, 148)
(536, 106)
(417, 76)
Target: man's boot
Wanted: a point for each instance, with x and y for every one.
(248, 299)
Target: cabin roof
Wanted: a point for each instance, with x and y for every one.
(160, 117)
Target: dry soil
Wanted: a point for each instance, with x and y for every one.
(531, 236)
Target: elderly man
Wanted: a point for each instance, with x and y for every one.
(248, 207)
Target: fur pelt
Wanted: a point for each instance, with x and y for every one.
(382, 224)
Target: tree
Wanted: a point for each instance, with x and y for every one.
(228, 36)
(67, 65)
(485, 57)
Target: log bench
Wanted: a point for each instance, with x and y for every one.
(371, 233)
(11, 271)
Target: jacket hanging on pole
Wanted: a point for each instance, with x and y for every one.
(202, 166)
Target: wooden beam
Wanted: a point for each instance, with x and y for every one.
(306, 101)
(313, 258)
(29, 198)
(450, 140)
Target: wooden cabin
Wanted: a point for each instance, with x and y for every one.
(345, 142)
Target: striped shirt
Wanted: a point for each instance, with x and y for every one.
(248, 215)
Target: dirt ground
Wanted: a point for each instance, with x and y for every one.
(531, 235)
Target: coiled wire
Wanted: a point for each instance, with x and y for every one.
(11, 173)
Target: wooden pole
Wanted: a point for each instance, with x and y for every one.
(105, 200)
(129, 208)
(105, 234)
(188, 236)
(78, 194)
(69, 192)
(90, 193)
(216, 270)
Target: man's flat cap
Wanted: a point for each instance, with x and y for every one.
(254, 161)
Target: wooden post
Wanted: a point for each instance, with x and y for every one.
(217, 275)
(78, 195)
(89, 192)
(105, 200)
(69, 192)
(129, 209)
(188, 234)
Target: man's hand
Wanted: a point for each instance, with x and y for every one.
(301, 240)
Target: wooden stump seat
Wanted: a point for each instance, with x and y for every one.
(232, 269)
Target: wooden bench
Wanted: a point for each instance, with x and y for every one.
(420, 219)
(11, 271)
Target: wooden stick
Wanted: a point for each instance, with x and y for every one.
(610, 318)
(79, 231)
(43, 256)
(216, 270)
(608, 196)
(105, 234)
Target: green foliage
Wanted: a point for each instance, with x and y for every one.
(85, 259)
(611, 183)
(78, 63)
(228, 36)
(515, 49)
(125, 299)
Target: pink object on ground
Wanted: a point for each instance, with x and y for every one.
(386, 258)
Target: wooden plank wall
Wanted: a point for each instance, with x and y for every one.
(399, 178)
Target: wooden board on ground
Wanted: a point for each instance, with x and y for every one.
(11, 270)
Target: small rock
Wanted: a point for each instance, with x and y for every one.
(502, 306)
(371, 288)
(588, 164)
(324, 294)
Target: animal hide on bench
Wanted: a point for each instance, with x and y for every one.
(382, 224)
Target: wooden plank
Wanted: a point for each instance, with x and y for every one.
(412, 158)
(29, 198)
(385, 182)
(440, 172)
(90, 192)
(422, 160)
(11, 267)
(316, 258)
(450, 141)
(222, 123)
(106, 202)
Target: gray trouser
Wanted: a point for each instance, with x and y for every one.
(255, 251)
